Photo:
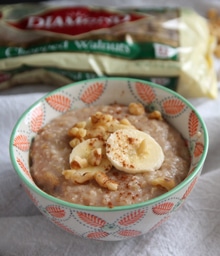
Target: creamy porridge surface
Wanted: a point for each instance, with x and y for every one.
(50, 153)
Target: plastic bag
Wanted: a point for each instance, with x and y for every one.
(60, 45)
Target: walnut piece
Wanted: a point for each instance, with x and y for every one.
(78, 176)
(164, 182)
(103, 180)
(95, 157)
(155, 115)
(78, 163)
(136, 109)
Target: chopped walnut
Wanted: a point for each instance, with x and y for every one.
(78, 163)
(78, 176)
(136, 109)
(103, 180)
(74, 142)
(99, 125)
(155, 115)
(98, 132)
(125, 121)
(164, 182)
(101, 119)
(81, 124)
(77, 132)
(95, 157)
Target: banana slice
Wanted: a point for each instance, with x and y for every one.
(88, 161)
(133, 151)
(90, 156)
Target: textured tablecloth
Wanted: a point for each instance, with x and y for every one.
(193, 230)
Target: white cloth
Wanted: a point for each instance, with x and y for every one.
(193, 230)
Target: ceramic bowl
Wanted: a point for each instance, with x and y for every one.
(122, 222)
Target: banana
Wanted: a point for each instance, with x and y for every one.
(89, 156)
(133, 151)
(88, 161)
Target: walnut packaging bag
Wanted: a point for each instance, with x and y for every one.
(59, 45)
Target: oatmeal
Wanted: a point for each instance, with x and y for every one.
(78, 157)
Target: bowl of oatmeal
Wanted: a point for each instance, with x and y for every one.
(109, 158)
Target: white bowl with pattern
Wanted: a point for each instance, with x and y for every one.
(120, 222)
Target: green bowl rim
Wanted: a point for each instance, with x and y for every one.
(156, 200)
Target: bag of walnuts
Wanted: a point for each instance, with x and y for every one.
(57, 45)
